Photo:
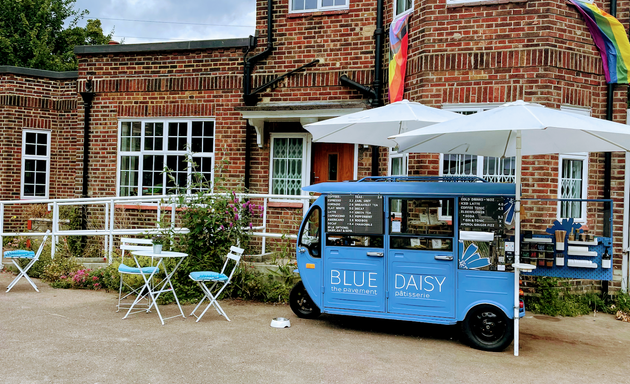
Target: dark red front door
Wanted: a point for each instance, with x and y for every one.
(332, 162)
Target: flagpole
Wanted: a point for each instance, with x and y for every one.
(517, 240)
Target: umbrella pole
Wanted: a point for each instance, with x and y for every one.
(517, 240)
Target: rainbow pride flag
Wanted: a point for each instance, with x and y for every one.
(611, 40)
(398, 42)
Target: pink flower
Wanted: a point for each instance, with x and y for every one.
(63, 277)
(251, 225)
(94, 278)
(236, 216)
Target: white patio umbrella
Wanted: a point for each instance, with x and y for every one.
(517, 129)
(374, 126)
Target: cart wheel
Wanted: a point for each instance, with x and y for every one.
(487, 328)
(301, 302)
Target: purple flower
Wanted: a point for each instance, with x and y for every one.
(236, 216)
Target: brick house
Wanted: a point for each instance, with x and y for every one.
(246, 101)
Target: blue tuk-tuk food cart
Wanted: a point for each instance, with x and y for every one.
(432, 250)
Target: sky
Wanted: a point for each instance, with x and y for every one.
(155, 21)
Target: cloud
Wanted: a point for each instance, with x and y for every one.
(152, 21)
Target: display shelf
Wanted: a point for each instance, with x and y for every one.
(581, 264)
(524, 267)
(538, 240)
(577, 242)
(581, 251)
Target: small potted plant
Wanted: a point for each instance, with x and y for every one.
(158, 241)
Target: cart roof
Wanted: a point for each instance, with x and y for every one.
(379, 186)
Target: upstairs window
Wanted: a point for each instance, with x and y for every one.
(317, 5)
(402, 6)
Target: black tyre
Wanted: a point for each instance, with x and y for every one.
(486, 327)
(301, 302)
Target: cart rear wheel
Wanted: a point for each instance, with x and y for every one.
(487, 328)
(301, 302)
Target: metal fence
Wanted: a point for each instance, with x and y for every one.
(160, 204)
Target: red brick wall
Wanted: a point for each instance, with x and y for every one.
(28, 102)
(205, 83)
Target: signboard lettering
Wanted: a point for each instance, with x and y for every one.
(483, 214)
(357, 214)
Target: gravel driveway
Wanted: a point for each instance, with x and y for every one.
(75, 336)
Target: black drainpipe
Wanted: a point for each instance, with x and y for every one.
(608, 156)
(87, 96)
(373, 93)
(249, 63)
(248, 66)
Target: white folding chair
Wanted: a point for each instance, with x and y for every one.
(132, 244)
(23, 254)
(218, 279)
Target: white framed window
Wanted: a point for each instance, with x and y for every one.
(402, 7)
(289, 165)
(398, 163)
(573, 184)
(147, 147)
(317, 5)
(573, 177)
(35, 164)
(492, 169)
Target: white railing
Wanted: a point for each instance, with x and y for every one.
(109, 204)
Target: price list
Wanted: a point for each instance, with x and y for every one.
(357, 214)
(483, 214)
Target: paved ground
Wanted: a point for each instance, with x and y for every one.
(73, 336)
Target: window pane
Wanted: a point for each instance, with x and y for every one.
(152, 177)
(129, 169)
(287, 166)
(498, 170)
(177, 136)
(202, 137)
(459, 165)
(130, 136)
(178, 176)
(202, 174)
(153, 136)
(571, 188)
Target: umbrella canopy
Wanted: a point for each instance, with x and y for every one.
(373, 126)
(517, 129)
(493, 133)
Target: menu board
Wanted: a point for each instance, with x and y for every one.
(484, 214)
(357, 214)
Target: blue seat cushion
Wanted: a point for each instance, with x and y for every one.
(19, 254)
(122, 268)
(208, 276)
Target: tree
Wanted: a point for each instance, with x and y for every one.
(32, 34)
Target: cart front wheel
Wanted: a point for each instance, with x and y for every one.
(301, 302)
(487, 328)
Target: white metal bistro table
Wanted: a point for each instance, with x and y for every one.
(155, 290)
